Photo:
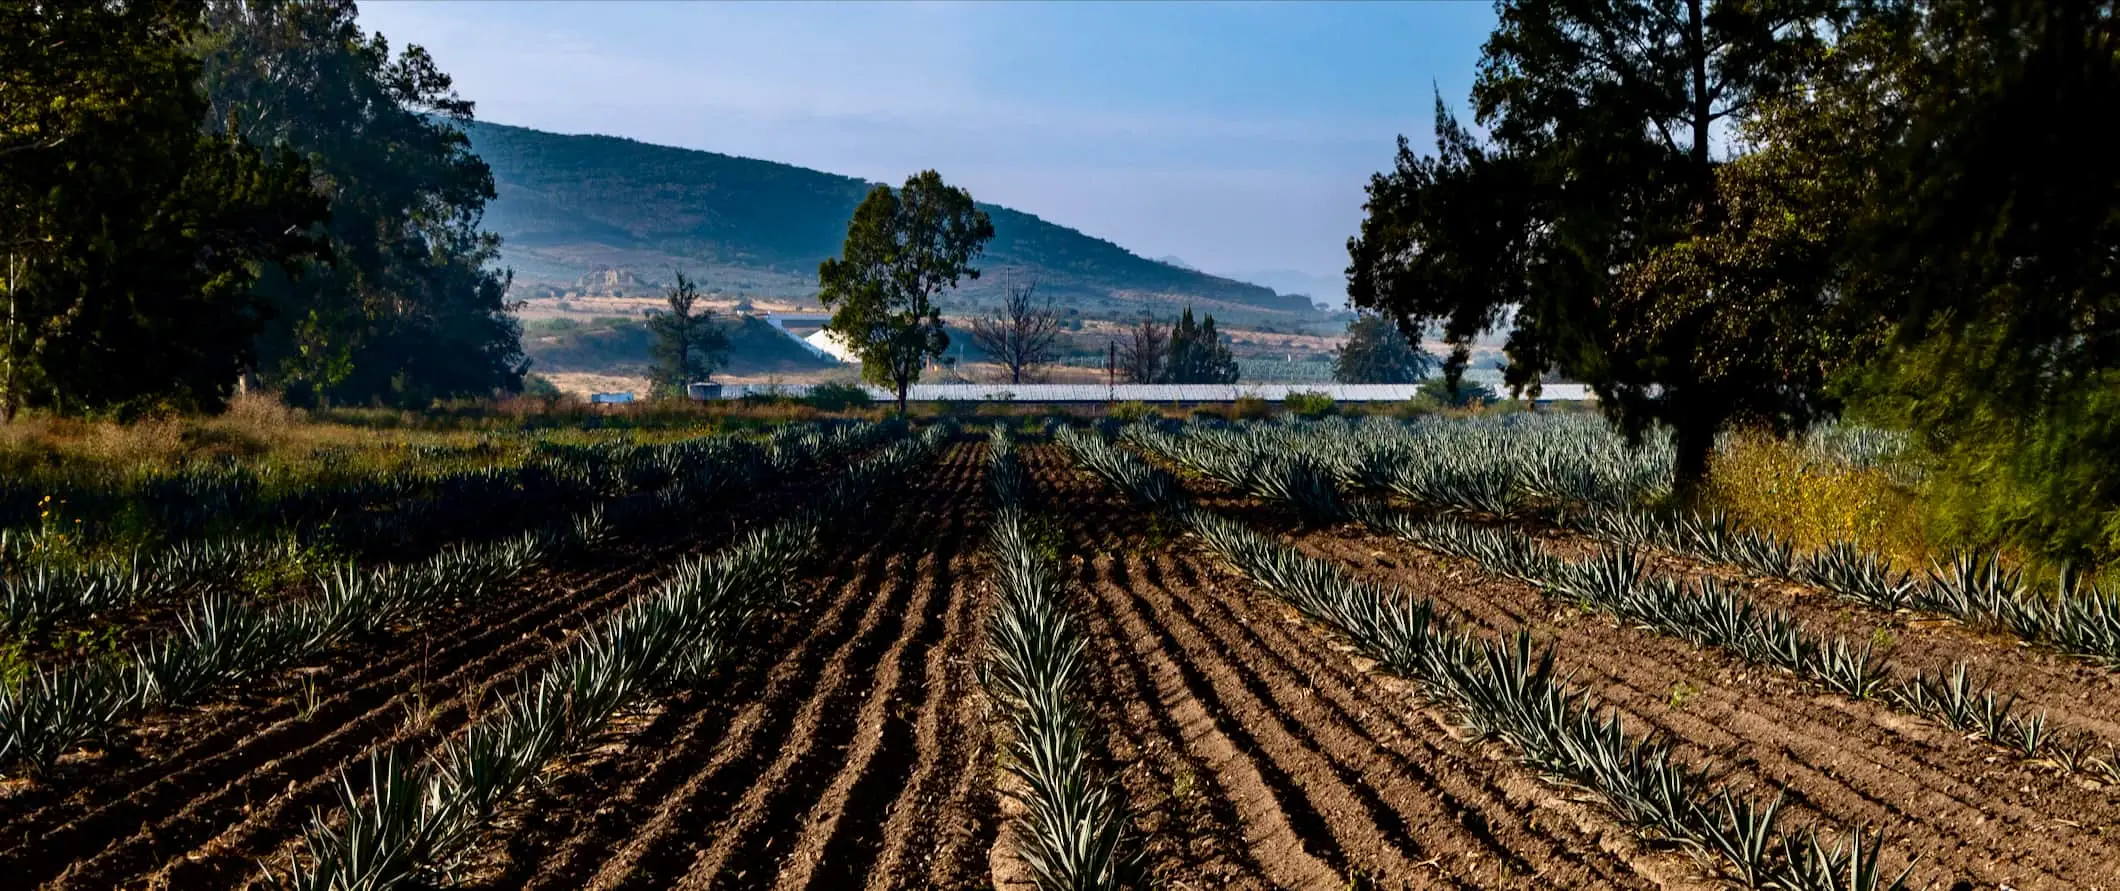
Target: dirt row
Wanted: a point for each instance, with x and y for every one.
(1965, 811)
(1258, 753)
(198, 796)
(850, 749)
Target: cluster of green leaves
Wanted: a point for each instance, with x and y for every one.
(198, 190)
(1075, 834)
(1377, 352)
(409, 307)
(688, 343)
(903, 249)
(132, 240)
(1916, 221)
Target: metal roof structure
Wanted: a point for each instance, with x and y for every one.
(1166, 393)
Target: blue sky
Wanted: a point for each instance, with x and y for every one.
(1236, 136)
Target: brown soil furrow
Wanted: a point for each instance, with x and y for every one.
(1403, 750)
(199, 844)
(690, 790)
(175, 808)
(1949, 800)
(946, 809)
(1422, 791)
(841, 838)
(751, 846)
(1346, 822)
(1279, 825)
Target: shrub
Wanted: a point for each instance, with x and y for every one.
(1777, 486)
(1309, 404)
(1466, 394)
(838, 397)
(1250, 408)
(538, 386)
(1129, 411)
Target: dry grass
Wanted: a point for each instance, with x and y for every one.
(1772, 484)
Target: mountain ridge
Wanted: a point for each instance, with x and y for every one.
(570, 203)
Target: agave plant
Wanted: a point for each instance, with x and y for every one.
(1511, 691)
(1074, 826)
(681, 632)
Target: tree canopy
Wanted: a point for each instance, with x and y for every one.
(132, 238)
(1746, 213)
(1197, 354)
(410, 307)
(903, 248)
(1376, 352)
(689, 345)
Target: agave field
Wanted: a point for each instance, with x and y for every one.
(1327, 654)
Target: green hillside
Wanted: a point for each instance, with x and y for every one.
(569, 204)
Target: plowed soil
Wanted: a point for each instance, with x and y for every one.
(852, 747)
(198, 797)
(1258, 753)
(1965, 810)
(849, 751)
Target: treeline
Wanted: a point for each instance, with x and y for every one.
(199, 195)
(1187, 352)
(1744, 213)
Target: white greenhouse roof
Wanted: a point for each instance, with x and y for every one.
(1141, 392)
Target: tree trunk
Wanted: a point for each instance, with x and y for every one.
(1693, 438)
(903, 385)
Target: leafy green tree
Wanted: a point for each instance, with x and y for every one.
(903, 249)
(689, 345)
(1376, 352)
(1990, 241)
(132, 239)
(1590, 207)
(410, 308)
(1197, 354)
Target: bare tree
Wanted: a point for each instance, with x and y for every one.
(1142, 353)
(1023, 334)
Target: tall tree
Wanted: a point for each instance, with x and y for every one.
(689, 345)
(1992, 240)
(902, 250)
(411, 308)
(1023, 334)
(1197, 354)
(1604, 115)
(1376, 352)
(132, 239)
(1143, 353)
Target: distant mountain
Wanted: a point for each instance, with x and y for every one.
(1173, 260)
(574, 208)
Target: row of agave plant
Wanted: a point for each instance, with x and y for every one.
(1706, 613)
(223, 639)
(407, 819)
(40, 594)
(1073, 833)
(1573, 473)
(354, 506)
(2077, 618)
(1508, 690)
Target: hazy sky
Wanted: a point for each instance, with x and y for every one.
(1236, 136)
